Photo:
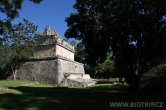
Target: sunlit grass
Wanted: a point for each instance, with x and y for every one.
(17, 83)
(4, 90)
(8, 86)
(26, 95)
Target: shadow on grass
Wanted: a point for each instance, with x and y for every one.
(56, 98)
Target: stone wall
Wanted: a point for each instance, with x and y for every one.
(67, 66)
(61, 51)
(44, 51)
(52, 50)
(48, 71)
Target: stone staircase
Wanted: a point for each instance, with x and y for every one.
(76, 80)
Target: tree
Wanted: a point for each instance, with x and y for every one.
(39, 39)
(10, 10)
(84, 26)
(133, 30)
(73, 42)
(80, 54)
(106, 69)
(18, 46)
(15, 40)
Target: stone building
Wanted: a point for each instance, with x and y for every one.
(54, 46)
(53, 63)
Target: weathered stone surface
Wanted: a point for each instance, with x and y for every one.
(44, 51)
(40, 71)
(71, 66)
(86, 76)
(72, 82)
(62, 51)
(52, 50)
(48, 71)
(53, 45)
(53, 63)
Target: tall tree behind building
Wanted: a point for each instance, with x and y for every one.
(133, 30)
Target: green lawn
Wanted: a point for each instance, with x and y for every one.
(25, 95)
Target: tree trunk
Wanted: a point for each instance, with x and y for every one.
(14, 72)
(134, 81)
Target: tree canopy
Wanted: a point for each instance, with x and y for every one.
(134, 30)
(9, 9)
(16, 40)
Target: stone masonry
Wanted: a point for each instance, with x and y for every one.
(53, 63)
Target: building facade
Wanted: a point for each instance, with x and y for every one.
(53, 63)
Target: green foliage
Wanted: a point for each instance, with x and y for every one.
(105, 69)
(17, 46)
(16, 41)
(4, 56)
(18, 83)
(159, 70)
(10, 8)
(39, 39)
(86, 25)
(133, 30)
(73, 43)
(80, 52)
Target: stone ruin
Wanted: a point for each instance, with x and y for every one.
(53, 63)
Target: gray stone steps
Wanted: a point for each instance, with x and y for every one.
(76, 83)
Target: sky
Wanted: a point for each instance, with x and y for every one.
(48, 13)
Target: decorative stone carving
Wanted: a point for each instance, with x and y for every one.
(53, 46)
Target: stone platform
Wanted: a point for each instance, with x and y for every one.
(54, 70)
(71, 82)
(53, 63)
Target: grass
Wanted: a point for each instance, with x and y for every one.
(25, 95)
(5, 86)
(17, 83)
(4, 90)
